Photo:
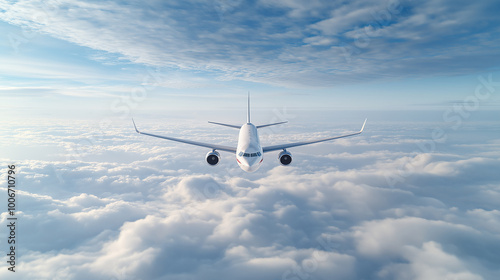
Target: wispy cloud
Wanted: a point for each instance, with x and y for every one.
(279, 43)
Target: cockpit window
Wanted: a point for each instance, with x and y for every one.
(257, 154)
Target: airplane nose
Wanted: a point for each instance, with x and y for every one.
(249, 164)
(251, 161)
(250, 168)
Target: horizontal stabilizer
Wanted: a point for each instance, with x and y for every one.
(201, 144)
(228, 125)
(266, 125)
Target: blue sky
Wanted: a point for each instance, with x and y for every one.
(382, 54)
(413, 197)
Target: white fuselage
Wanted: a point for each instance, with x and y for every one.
(249, 154)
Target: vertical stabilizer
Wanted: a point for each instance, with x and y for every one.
(248, 109)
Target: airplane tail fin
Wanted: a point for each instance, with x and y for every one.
(248, 108)
(248, 116)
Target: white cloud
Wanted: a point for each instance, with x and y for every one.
(389, 236)
(429, 262)
(131, 207)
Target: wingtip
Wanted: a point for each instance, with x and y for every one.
(135, 126)
(363, 127)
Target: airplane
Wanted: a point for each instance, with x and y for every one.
(249, 152)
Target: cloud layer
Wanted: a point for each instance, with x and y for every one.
(116, 205)
(278, 42)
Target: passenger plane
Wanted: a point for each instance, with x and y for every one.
(249, 152)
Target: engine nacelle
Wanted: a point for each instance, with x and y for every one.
(285, 157)
(212, 158)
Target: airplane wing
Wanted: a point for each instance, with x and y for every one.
(206, 145)
(296, 144)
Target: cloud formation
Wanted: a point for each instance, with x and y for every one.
(275, 42)
(129, 207)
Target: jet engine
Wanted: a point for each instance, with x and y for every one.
(285, 157)
(212, 158)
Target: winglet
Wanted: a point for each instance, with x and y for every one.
(363, 127)
(135, 126)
